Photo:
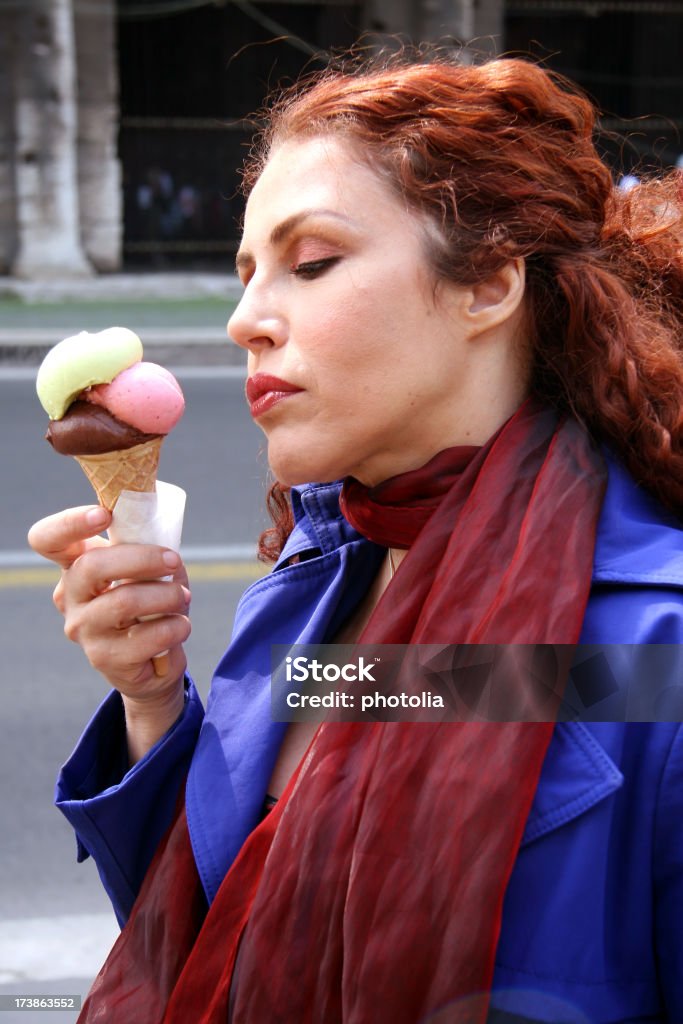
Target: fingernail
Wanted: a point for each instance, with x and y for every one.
(170, 559)
(186, 594)
(96, 517)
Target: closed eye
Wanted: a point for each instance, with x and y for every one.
(313, 268)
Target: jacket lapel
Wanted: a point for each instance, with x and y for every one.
(577, 774)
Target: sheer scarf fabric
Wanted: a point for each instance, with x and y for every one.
(374, 889)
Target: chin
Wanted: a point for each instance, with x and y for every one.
(291, 469)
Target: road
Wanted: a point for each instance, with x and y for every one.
(55, 922)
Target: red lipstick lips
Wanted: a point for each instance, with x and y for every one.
(264, 391)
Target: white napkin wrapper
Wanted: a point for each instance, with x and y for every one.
(149, 518)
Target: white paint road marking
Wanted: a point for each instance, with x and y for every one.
(52, 948)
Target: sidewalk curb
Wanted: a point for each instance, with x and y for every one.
(123, 287)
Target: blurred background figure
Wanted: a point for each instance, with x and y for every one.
(155, 200)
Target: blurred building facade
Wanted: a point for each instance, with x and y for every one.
(123, 123)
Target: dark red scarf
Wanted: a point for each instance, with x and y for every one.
(373, 891)
(394, 512)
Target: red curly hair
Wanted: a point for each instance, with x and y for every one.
(501, 157)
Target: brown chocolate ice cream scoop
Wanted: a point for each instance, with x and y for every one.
(88, 429)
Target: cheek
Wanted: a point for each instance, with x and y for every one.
(330, 343)
(389, 303)
(351, 334)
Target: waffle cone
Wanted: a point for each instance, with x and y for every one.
(132, 469)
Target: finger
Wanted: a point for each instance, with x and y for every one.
(121, 607)
(154, 636)
(95, 571)
(113, 613)
(128, 654)
(66, 535)
(58, 595)
(179, 599)
(138, 681)
(180, 576)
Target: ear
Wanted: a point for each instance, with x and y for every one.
(496, 300)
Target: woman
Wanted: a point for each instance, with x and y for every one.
(449, 307)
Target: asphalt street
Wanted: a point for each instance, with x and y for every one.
(55, 921)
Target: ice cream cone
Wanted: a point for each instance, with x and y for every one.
(132, 469)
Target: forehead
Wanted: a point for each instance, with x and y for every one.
(321, 172)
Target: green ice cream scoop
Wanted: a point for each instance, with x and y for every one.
(81, 361)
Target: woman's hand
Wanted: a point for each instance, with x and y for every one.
(105, 619)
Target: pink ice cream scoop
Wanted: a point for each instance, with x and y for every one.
(146, 396)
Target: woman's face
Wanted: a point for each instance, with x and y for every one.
(372, 367)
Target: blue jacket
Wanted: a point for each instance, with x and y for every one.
(593, 917)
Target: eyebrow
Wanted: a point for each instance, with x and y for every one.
(285, 228)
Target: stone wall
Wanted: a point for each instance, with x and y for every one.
(60, 205)
(99, 177)
(8, 239)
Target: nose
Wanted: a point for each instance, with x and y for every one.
(255, 325)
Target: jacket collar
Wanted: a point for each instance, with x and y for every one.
(577, 773)
(638, 541)
(319, 523)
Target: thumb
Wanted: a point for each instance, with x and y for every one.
(62, 537)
